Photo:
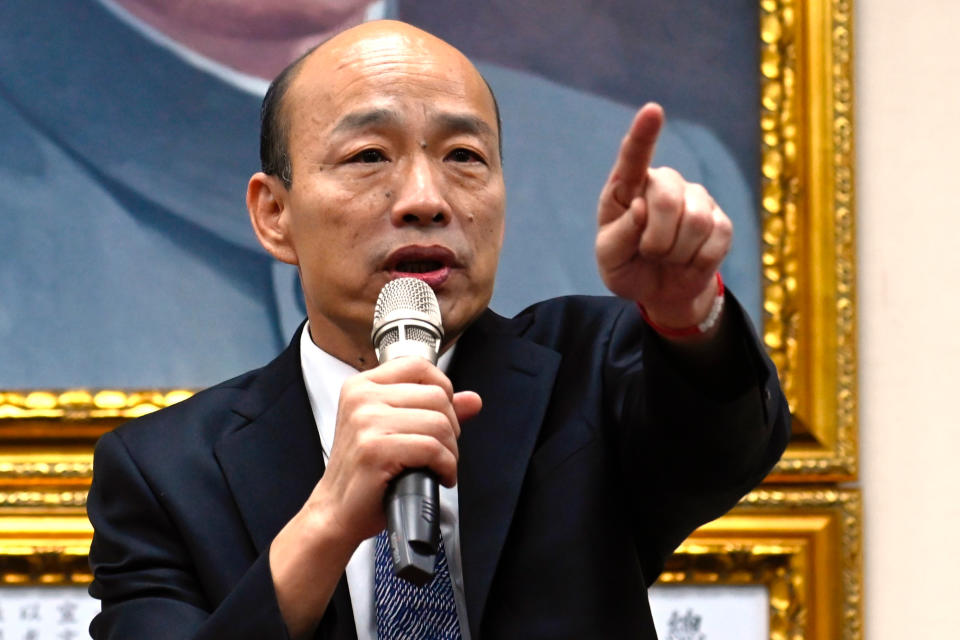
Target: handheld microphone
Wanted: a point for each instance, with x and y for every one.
(406, 321)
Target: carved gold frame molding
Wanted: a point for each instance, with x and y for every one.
(803, 545)
(808, 229)
(44, 546)
(47, 439)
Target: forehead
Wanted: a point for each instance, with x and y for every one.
(393, 71)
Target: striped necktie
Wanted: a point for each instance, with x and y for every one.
(408, 612)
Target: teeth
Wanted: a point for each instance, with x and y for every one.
(420, 266)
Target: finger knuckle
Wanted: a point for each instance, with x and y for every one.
(724, 226)
(710, 256)
(698, 201)
(450, 467)
(704, 263)
(448, 460)
(436, 450)
(412, 366)
(438, 423)
(437, 396)
(366, 448)
(365, 415)
(446, 385)
(349, 389)
(666, 199)
(654, 245)
(669, 175)
(428, 373)
(699, 221)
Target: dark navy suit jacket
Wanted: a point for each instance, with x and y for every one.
(595, 455)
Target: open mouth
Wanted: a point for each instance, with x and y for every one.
(431, 264)
(419, 266)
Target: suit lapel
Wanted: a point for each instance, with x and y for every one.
(273, 462)
(514, 377)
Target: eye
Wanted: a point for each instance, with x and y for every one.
(464, 155)
(368, 156)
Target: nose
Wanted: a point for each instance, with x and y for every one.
(420, 198)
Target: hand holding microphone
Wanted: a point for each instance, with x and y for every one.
(398, 416)
(406, 322)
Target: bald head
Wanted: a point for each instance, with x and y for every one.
(367, 43)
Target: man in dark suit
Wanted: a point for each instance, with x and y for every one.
(607, 432)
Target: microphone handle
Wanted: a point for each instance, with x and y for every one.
(413, 528)
(406, 322)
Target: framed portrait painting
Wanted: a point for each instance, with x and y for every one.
(131, 265)
(130, 277)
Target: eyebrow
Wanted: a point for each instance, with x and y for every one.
(366, 118)
(464, 123)
(378, 116)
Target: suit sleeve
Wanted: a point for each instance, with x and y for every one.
(143, 574)
(694, 440)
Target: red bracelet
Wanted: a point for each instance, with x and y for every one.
(692, 330)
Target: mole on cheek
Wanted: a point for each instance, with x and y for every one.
(388, 194)
(423, 144)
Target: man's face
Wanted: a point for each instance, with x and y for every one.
(396, 172)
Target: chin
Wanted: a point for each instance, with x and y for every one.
(457, 317)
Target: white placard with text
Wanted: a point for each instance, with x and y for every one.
(711, 612)
(46, 613)
(683, 612)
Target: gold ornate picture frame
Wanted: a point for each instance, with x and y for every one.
(807, 208)
(44, 546)
(802, 544)
(47, 440)
(44, 573)
(808, 229)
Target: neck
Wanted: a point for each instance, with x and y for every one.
(356, 352)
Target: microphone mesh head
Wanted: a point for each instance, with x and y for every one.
(407, 294)
(418, 334)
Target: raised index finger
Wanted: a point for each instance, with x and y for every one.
(629, 173)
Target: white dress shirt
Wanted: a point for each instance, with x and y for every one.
(324, 375)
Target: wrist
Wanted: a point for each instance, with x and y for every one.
(306, 539)
(700, 318)
(324, 525)
(307, 559)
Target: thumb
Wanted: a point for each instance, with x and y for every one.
(466, 404)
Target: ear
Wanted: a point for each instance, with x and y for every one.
(267, 203)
